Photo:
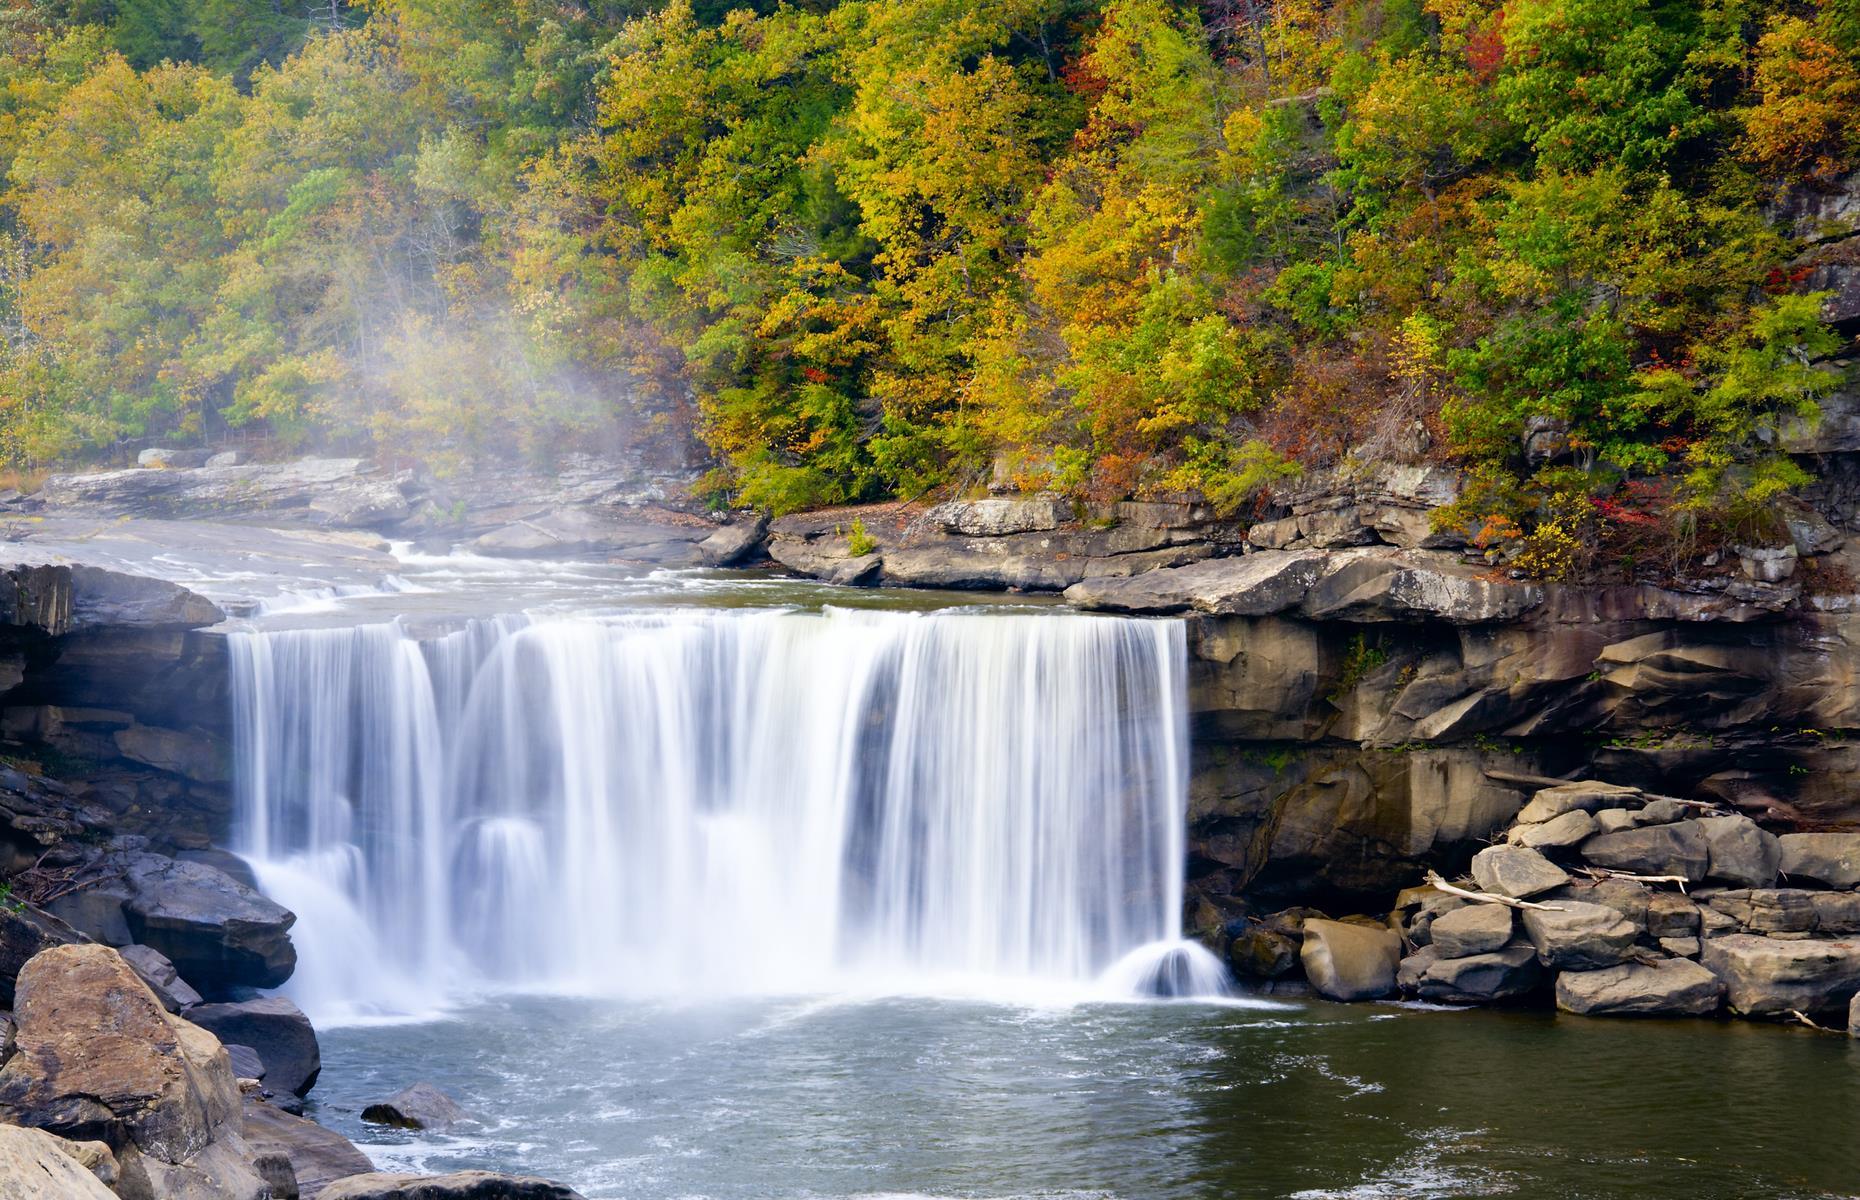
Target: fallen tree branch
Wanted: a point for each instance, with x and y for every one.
(1628, 791)
(1809, 1021)
(1605, 873)
(1440, 885)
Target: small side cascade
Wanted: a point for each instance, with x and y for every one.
(722, 801)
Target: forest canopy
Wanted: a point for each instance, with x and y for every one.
(880, 248)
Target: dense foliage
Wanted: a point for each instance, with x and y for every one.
(877, 247)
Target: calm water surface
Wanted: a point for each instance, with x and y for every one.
(795, 1098)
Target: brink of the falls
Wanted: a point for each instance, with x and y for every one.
(718, 801)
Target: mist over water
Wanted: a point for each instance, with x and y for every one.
(703, 802)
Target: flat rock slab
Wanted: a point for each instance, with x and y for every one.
(1771, 977)
(1677, 987)
(318, 1156)
(1558, 833)
(219, 933)
(1553, 802)
(1516, 872)
(462, 1185)
(1505, 974)
(1474, 929)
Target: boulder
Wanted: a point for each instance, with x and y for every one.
(1766, 976)
(1558, 833)
(1679, 849)
(99, 1058)
(1258, 952)
(317, 1156)
(1739, 852)
(219, 934)
(1853, 1016)
(733, 543)
(997, 517)
(1474, 929)
(102, 598)
(1614, 820)
(1829, 859)
(1480, 978)
(34, 1165)
(1516, 872)
(1579, 936)
(1675, 987)
(1348, 961)
(1680, 947)
(462, 1185)
(190, 753)
(1553, 802)
(24, 933)
(1663, 812)
(223, 861)
(1768, 910)
(1836, 912)
(608, 532)
(156, 971)
(277, 1030)
(418, 1106)
(96, 912)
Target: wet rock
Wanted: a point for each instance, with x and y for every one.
(330, 493)
(220, 934)
(1829, 859)
(1474, 929)
(156, 971)
(1482, 978)
(1680, 849)
(277, 1029)
(462, 1185)
(224, 861)
(1766, 976)
(418, 1106)
(318, 1156)
(1559, 833)
(1579, 936)
(24, 932)
(34, 1165)
(1739, 852)
(103, 598)
(1350, 962)
(1676, 987)
(733, 543)
(1516, 872)
(1564, 798)
(191, 753)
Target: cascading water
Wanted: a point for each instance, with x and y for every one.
(705, 800)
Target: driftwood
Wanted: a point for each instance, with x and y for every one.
(1605, 873)
(1440, 885)
(1809, 1021)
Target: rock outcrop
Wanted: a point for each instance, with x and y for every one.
(276, 1030)
(462, 1185)
(37, 1166)
(417, 1106)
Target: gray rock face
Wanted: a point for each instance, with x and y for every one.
(1678, 849)
(999, 517)
(1350, 962)
(1853, 1016)
(1836, 912)
(34, 1165)
(23, 934)
(1768, 977)
(1676, 987)
(101, 598)
(1474, 929)
(219, 934)
(246, 1064)
(418, 1106)
(1516, 872)
(156, 971)
(318, 1156)
(1558, 833)
(1505, 974)
(1829, 859)
(1671, 915)
(277, 1030)
(1580, 937)
(334, 493)
(462, 1185)
(1739, 852)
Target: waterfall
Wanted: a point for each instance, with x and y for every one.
(716, 801)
